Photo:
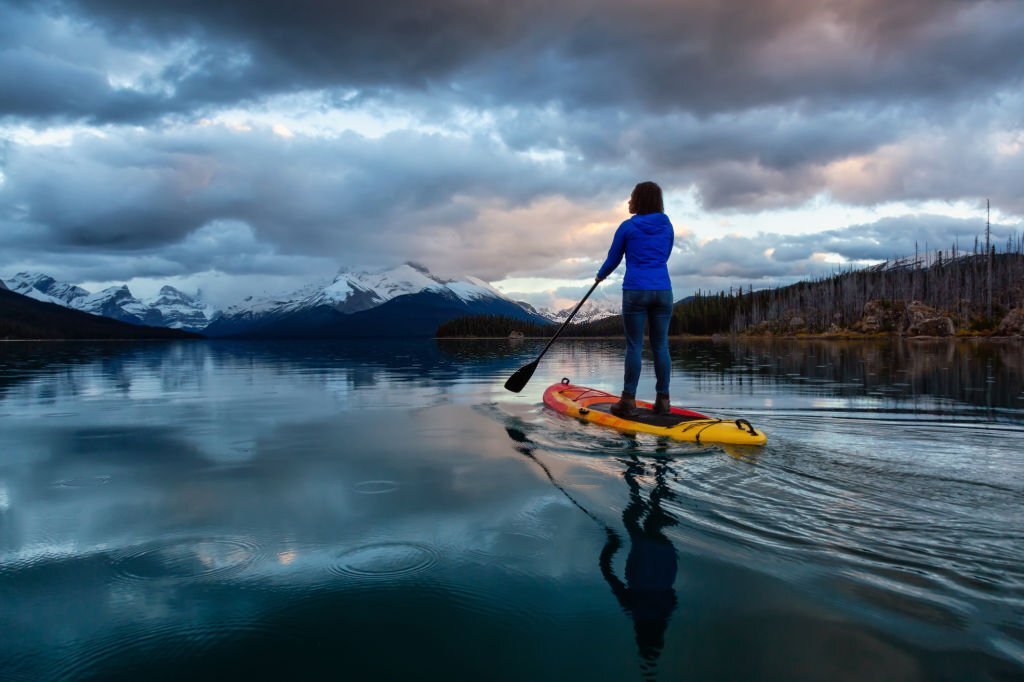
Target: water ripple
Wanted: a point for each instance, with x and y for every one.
(82, 482)
(384, 560)
(145, 646)
(913, 527)
(187, 559)
(500, 543)
(380, 487)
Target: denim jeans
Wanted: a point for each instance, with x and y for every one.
(653, 306)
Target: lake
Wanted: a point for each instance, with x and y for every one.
(386, 510)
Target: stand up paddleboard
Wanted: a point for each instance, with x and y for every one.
(594, 406)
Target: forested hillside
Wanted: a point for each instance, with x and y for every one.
(935, 294)
(976, 293)
(492, 326)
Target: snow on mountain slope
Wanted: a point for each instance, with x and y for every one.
(120, 297)
(37, 295)
(407, 278)
(473, 288)
(349, 292)
(410, 278)
(45, 288)
(181, 311)
(273, 303)
(170, 309)
(119, 304)
(352, 292)
(591, 311)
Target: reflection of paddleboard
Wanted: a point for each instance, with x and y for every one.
(593, 405)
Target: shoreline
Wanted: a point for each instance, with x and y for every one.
(157, 338)
(974, 338)
(745, 337)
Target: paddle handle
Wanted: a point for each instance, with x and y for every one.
(568, 319)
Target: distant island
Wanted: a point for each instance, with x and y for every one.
(944, 295)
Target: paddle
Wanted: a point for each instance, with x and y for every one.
(518, 381)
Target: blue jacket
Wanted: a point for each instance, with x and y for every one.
(646, 240)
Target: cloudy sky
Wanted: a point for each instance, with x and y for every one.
(258, 144)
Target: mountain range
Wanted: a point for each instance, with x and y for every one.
(22, 317)
(171, 308)
(404, 301)
(592, 311)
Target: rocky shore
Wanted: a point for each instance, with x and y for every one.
(889, 318)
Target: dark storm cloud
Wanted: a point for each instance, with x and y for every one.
(349, 197)
(763, 159)
(50, 69)
(693, 55)
(746, 102)
(752, 106)
(231, 52)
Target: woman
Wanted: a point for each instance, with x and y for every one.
(646, 241)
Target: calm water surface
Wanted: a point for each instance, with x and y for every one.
(387, 511)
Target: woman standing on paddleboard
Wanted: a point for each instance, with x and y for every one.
(646, 241)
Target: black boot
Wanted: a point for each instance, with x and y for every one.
(661, 404)
(626, 407)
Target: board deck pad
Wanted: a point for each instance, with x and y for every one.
(594, 405)
(644, 415)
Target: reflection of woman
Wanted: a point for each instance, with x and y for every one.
(648, 595)
(646, 241)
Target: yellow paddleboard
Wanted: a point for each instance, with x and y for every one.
(593, 405)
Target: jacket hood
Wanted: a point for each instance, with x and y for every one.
(652, 223)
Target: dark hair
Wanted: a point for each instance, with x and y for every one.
(647, 198)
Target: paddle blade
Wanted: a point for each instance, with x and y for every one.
(518, 381)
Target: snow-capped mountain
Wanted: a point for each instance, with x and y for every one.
(170, 309)
(345, 293)
(543, 312)
(181, 311)
(407, 278)
(352, 292)
(25, 317)
(45, 288)
(591, 311)
(406, 300)
(119, 304)
(3, 287)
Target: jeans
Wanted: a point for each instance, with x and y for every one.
(653, 306)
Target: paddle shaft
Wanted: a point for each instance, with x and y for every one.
(568, 320)
(518, 381)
